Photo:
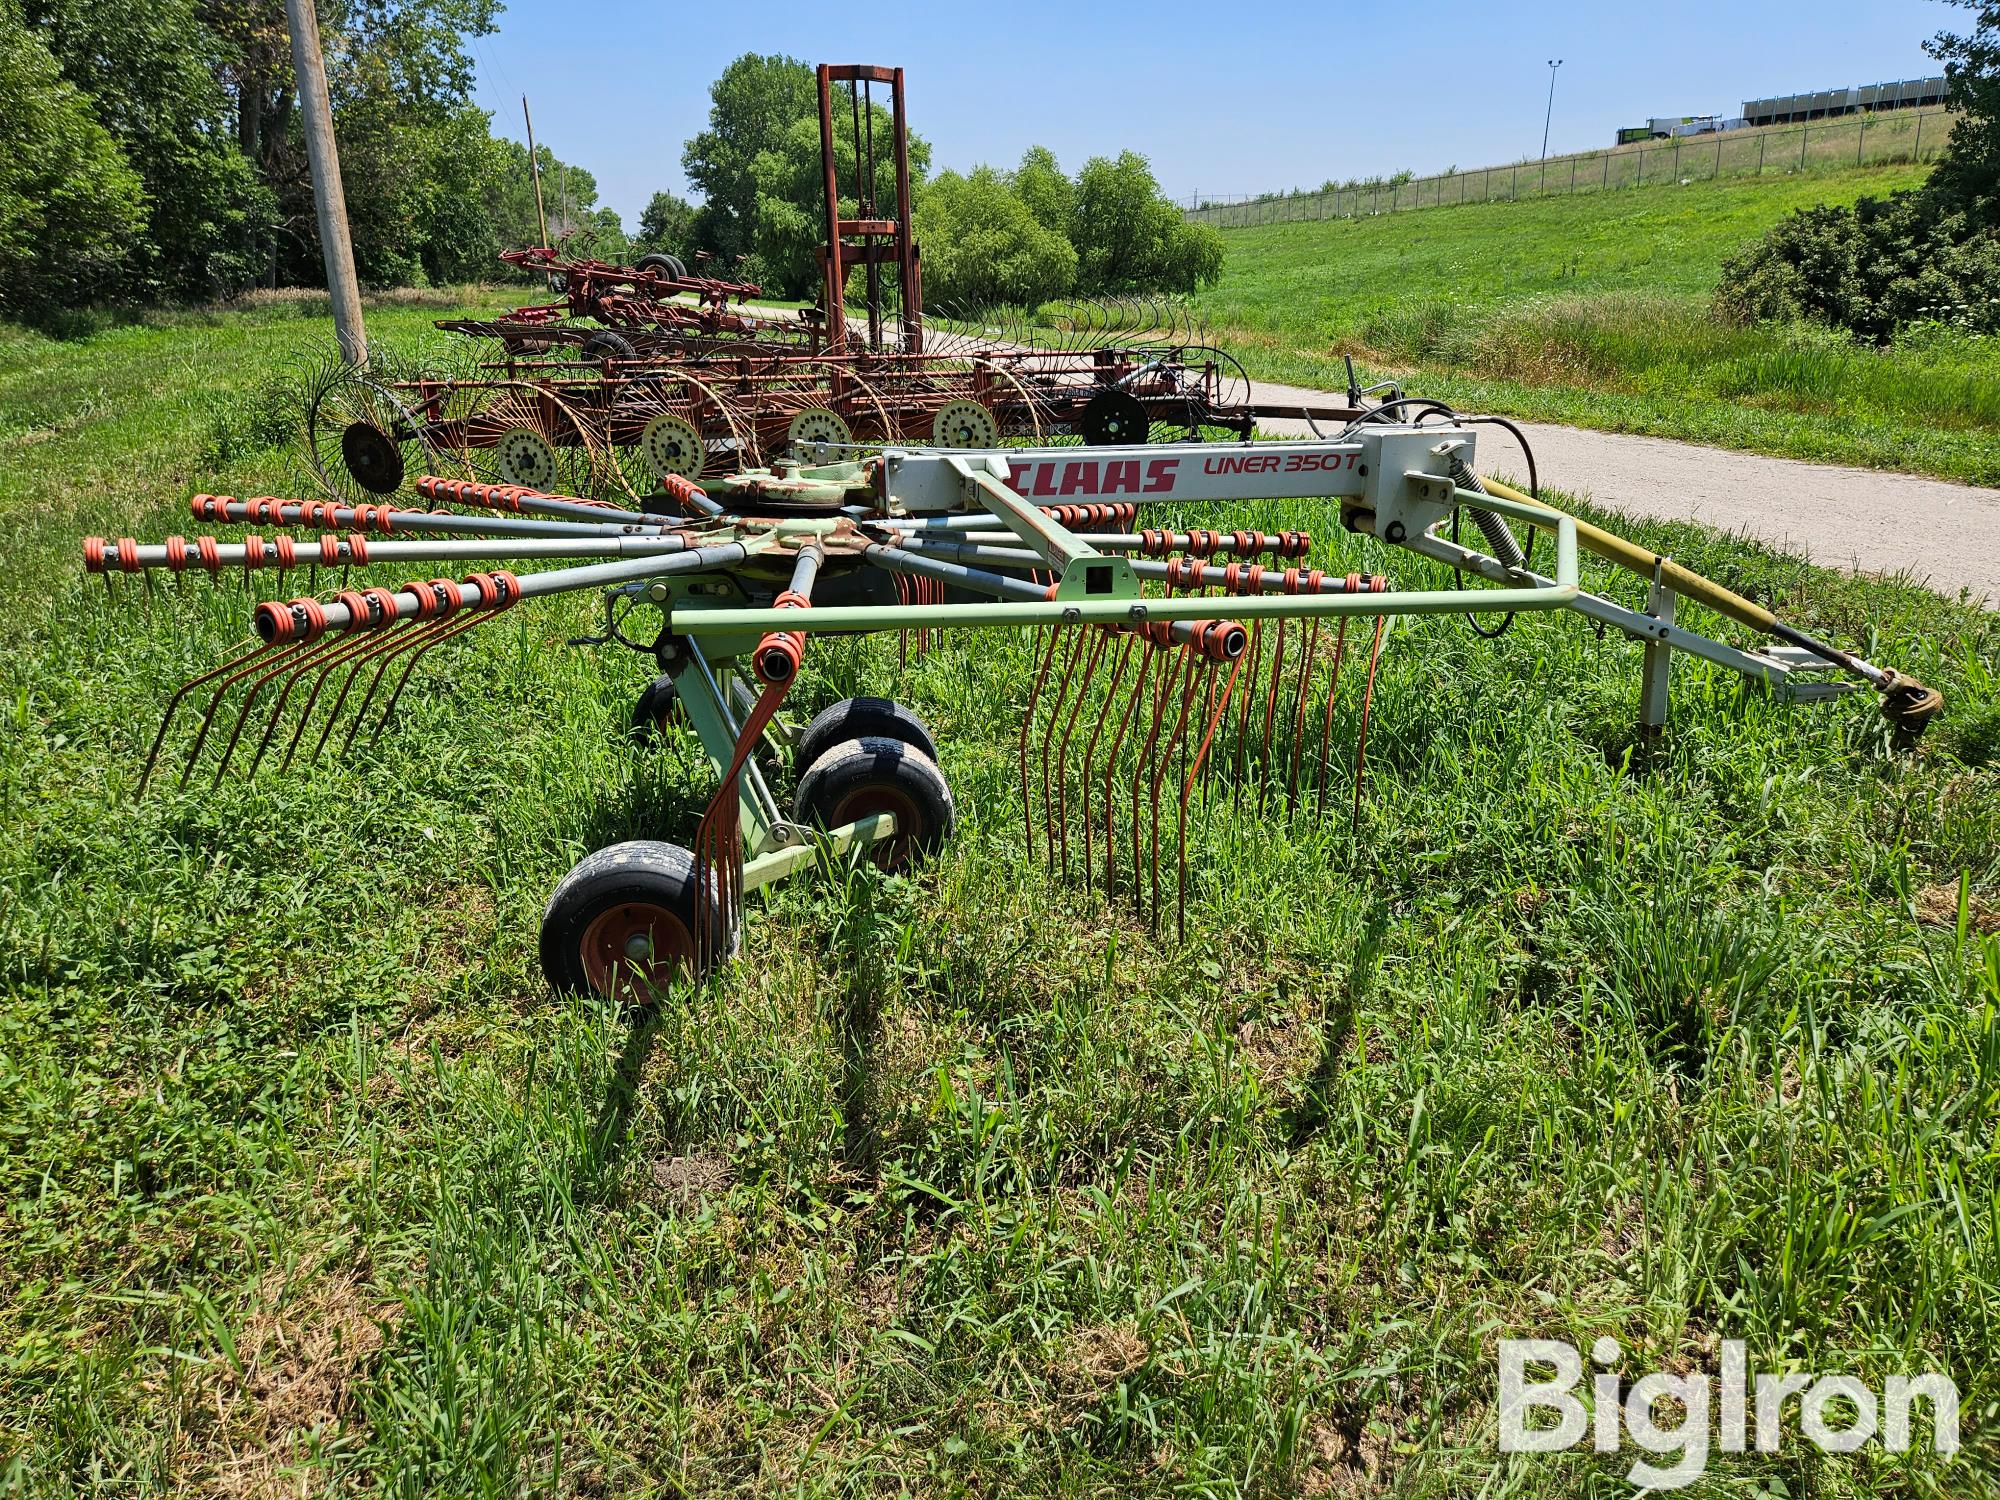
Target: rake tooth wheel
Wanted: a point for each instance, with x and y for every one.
(364, 439)
(818, 424)
(529, 433)
(964, 424)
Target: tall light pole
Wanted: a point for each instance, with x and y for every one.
(1554, 63)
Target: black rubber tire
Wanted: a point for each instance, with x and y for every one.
(859, 719)
(607, 344)
(656, 707)
(858, 777)
(639, 876)
(671, 264)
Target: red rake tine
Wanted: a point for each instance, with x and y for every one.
(1367, 698)
(377, 645)
(352, 646)
(322, 650)
(458, 628)
(1090, 750)
(1326, 725)
(1186, 678)
(1299, 716)
(1079, 640)
(1144, 762)
(174, 703)
(1027, 723)
(1215, 717)
(1132, 701)
(308, 650)
(1097, 643)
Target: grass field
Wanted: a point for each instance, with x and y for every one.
(1596, 311)
(966, 1183)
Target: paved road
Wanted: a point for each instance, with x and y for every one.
(1868, 521)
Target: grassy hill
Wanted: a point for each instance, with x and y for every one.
(1596, 310)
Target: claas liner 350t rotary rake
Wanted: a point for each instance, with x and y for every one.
(1170, 657)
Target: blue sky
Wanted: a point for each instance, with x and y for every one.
(1223, 98)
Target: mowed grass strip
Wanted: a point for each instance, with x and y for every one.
(966, 1182)
(1597, 310)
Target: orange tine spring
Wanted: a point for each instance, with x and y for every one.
(1145, 761)
(1132, 701)
(1215, 716)
(1188, 660)
(1090, 750)
(1079, 640)
(313, 650)
(1097, 643)
(1367, 698)
(1299, 715)
(180, 695)
(1027, 723)
(1326, 725)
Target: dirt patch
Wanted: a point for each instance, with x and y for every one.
(1094, 1360)
(687, 1181)
(1937, 906)
(304, 1350)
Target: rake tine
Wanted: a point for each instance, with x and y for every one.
(1326, 725)
(1160, 766)
(1078, 640)
(352, 646)
(1367, 698)
(377, 645)
(458, 628)
(1221, 708)
(1256, 656)
(174, 703)
(1027, 721)
(1097, 642)
(1090, 751)
(1144, 762)
(243, 714)
(1299, 715)
(293, 673)
(409, 638)
(1137, 693)
(1271, 705)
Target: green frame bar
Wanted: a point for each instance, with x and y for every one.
(862, 618)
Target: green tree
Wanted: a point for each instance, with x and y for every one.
(756, 101)
(1050, 196)
(70, 204)
(983, 245)
(1130, 237)
(666, 224)
(150, 69)
(1969, 175)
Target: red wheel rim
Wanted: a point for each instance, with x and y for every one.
(633, 949)
(863, 802)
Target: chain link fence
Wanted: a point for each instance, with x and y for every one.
(1912, 135)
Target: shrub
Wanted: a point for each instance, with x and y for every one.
(1872, 268)
(984, 246)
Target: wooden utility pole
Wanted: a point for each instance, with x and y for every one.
(330, 202)
(535, 171)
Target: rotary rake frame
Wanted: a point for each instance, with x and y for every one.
(1175, 657)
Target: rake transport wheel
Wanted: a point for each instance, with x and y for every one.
(624, 923)
(362, 438)
(656, 710)
(860, 719)
(876, 774)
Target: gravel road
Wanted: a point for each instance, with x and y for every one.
(1870, 521)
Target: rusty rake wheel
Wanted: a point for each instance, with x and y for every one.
(673, 423)
(531, 433)
(364, 439)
